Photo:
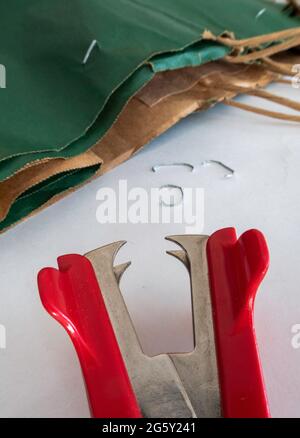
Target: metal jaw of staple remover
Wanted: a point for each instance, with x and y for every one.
(221, 376)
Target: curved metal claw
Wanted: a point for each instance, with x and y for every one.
(181, 256)
(107, 253)
(120, 270)
(157, 386)
(104, 258)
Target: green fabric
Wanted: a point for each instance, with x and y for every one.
(99, 128)
(196, 55)
(52, 99)
(44, 192)
(57, 106)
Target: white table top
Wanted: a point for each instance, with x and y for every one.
(39, 372)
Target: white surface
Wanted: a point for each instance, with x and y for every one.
(39, 372)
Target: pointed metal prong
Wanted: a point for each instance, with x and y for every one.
(120, 269)
(183, 241)
(175, 239)
(157, 386)
(197, 369)
(189, 243)
(180, 255)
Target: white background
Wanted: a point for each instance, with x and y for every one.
(39, 371)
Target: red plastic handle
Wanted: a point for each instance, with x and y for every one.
(73, 297)
(236, 269)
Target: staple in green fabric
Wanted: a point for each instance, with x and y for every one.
(201, 53)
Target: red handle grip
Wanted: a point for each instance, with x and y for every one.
(73, 297)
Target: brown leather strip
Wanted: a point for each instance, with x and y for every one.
(284, 101)
(276, 66)
(254, 91)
